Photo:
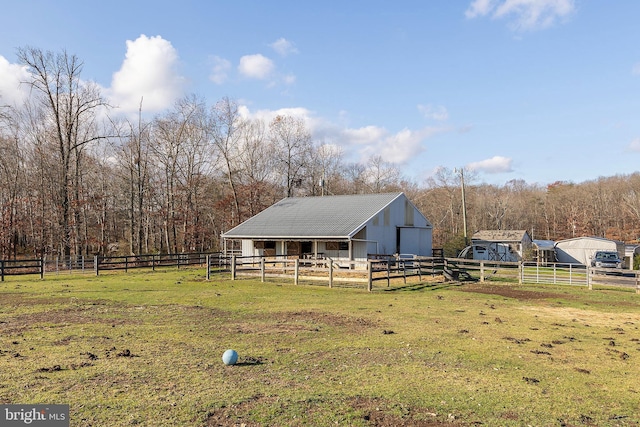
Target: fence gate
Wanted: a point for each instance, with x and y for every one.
(561, 274)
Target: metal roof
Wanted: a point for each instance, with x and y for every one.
(499, 235)
(338, 217)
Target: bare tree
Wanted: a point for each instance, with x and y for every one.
(325, 168)
(68, 107)
(292, 143)
(181, 152)
(381, 176)
(256, 165)
(226, 127)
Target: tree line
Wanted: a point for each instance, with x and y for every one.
(76, 179)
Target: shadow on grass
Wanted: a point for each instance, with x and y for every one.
(423, 287)
(250, 361)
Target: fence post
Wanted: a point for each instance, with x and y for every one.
(637, 284)
(95, 265)
(233, 267)
(370, 274)
(404, 272)
(2, 270)
(481, 271)
(42, 267)
(331, 273)
(388, 273)
(589, 278)
(207, 261)
(520, 272)
(262, 270)
(296, 269)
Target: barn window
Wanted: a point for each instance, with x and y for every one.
(408, 213)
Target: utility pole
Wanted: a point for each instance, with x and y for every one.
(464, 205)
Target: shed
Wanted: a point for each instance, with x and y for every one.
(345, 227)
(500, 245)
(544, 251)
(580, 250)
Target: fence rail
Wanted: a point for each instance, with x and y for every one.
(332, 271)
(21, 267)
(378, 269)
(148, 261)
(387, 269)
(97, 264)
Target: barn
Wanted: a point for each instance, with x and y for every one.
(499, 245)
(343, 228)
(580, 250)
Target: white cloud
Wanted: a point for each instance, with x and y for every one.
(438, 113)
(12, 92)
(527, 14)
(358, 144)
(398, 148)
(479, 8)
(289, 79)
(283, 47)
(635, 145)
(220, 70)
(149, 70)
(496, 164)
(268, 115)
(256, 66)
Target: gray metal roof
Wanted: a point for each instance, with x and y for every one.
(499, 235)
(338, 217)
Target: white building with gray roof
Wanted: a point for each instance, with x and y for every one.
(346, 227)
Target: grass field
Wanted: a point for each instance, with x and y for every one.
(145, 349)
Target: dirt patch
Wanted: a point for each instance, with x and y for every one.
(90, 313)
(328, 319)
(378, 412)
(510, 292)
(372, 411)
(303, 321)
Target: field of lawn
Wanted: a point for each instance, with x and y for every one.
(145, 348)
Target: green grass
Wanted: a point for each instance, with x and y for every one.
(145, 349)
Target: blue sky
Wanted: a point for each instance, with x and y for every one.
(538, 90)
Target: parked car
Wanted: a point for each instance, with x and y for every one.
(606, 259)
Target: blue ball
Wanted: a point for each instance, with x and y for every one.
(230, 357)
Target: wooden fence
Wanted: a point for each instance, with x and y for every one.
(21, 267)
(327, 270)
(379, 269)
(390, 269)
(126, 263)
(97, 264)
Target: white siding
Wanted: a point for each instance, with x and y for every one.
(581, 249)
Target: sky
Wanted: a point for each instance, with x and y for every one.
(533, 90)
